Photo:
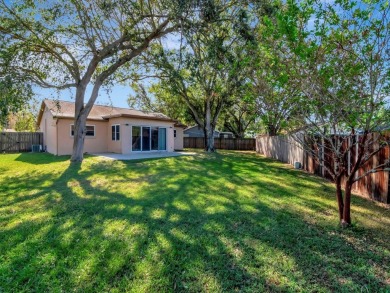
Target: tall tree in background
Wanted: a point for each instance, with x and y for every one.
(206, 73)
(82, 44)
(25, 121)
(239, 116)
(158, 99)
(273, 84)
(15, 93)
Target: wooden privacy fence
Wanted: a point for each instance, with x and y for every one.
(17, 142)
(239, 144)
(287, 150)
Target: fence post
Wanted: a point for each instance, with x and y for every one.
(18, 142)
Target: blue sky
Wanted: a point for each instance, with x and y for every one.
(118, 94)
(117, 97)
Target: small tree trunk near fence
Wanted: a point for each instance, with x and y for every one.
(339, 196)
(346, 219)
(345, 159)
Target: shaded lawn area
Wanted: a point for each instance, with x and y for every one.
(221, 222)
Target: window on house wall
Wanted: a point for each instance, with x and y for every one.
(89, 130)
(115, 132)
(145, 138)
(174, 133)
(154, 138)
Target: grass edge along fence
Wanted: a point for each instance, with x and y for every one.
(285, 149)
(18, 142)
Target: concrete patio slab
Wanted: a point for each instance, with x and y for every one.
(139, 156)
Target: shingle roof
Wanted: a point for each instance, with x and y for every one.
(64, 109)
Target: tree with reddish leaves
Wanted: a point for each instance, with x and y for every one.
(344, 79)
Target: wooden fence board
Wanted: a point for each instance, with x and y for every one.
(241, 144)
(285, 149)
(16, 142)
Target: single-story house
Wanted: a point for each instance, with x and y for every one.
(197, 131)
(109, 129)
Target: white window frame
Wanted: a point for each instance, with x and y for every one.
(94, 130)
(150, 138)
(119, 131)
(131, 135)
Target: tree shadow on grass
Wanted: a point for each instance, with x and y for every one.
(175, 225)
(40, 158)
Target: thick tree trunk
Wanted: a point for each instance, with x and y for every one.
(209, 130)
(80, 123)
(339, 196)
(78, 142)
(81, 114)
(210, 140)
(346, 220)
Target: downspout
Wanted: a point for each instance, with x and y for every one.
(57, 135)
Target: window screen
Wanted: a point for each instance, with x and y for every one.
(115, 132)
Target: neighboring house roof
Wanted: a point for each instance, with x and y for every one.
(64, 109)
(198, 131)
(228, 133)
(196, 127)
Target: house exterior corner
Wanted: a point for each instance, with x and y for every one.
(108, 129)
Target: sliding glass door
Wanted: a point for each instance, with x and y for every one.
(136, 138)
(154, 138)
(146, 138)
(162, 139)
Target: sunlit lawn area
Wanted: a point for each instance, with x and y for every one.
(215, 223)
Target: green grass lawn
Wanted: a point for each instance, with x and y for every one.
(221, 222)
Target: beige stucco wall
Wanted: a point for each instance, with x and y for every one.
(178, 145)
(96, 144)
(48, 126)
(62, 143)
(126, 127)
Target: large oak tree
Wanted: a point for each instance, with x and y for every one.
(82, 45)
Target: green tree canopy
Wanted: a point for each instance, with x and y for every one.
(343, 76)
(80, 44)
(14, 95)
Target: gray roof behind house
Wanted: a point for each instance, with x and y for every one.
(197, 131)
